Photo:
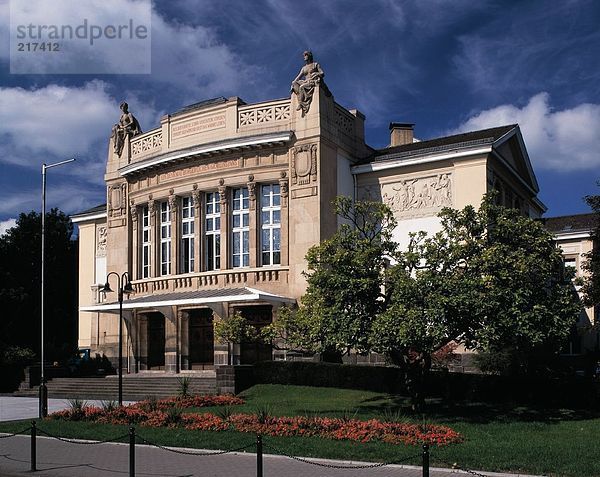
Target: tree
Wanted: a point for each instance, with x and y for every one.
(345, 277)
(20, 265)
(235, 329)
(490, 279)
(591, 284)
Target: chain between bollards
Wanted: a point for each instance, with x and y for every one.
(33, 447)
(425, 460)
(259, 456)
(132, 452)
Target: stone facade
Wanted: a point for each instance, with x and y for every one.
(213, 212)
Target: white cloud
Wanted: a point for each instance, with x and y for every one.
(564, 140)
(59, 121)
(7, 224)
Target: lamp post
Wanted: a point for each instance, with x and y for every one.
(43, 391)
(124, 286)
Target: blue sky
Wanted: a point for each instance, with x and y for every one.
(446, 65)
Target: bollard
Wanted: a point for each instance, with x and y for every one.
(33, 449)
(425, 460)
(132, 452)
(259, 456)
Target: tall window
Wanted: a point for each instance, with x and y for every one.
(187, 235)
(213, 231)
(270, 218)
(241, 227)
(145, 242)
(165, 238)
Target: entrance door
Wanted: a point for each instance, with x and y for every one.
(201, 346)
(257, 316)
(156, 341)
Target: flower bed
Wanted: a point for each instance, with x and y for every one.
(168, 413)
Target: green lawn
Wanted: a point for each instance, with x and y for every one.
(550, 442)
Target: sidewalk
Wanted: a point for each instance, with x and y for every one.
(14, 408)
(57, 458)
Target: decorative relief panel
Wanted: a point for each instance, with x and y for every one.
(419, 196)
(101, 235)
(117, 200)
(304, 164)
(264, 114)
(344, 122)
(146, 143)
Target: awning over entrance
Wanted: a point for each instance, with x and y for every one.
(196, 297)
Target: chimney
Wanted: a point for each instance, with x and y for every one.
(401, 133)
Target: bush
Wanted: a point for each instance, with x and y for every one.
(374, 378)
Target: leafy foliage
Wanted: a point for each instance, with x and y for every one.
(20, 265)
(345, 274)
(490, 279)
(235, 329)
(591, 285)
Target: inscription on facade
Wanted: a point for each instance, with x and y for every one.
(200, 168)
(419, 196)
(197, 125)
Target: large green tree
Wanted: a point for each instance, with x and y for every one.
(591, 285)
(20, 265)
(345, 275)
(491, 278)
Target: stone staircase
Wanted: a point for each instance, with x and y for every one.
(135, 387)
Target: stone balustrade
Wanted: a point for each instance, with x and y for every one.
(215, 279)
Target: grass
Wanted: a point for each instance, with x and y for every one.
(556, 442)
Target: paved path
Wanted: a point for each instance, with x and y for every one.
(13, 408)
(61, 459)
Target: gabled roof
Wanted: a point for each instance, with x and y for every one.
(469, 139)
(571, 223)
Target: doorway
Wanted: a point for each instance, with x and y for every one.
(201, 339)
(156, 341)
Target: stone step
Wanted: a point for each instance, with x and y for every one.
(135, 387)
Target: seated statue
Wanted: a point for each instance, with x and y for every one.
(304, 84)
(128, 125)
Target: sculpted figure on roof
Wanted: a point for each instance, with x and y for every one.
(304, 84)
(128, 125)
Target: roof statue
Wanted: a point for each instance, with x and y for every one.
(304, 84)
(128, 125)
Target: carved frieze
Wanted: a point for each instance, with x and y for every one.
(304, 164)
(101, 236)
(419, 196)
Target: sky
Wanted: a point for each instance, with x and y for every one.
(446, 65)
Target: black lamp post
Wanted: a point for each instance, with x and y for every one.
(124, 286)
(43, 391)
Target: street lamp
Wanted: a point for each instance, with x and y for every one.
(43, 391)
(124, 286)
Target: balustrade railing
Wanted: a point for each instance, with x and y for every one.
(213, 279)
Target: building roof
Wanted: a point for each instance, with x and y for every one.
(200, 105)
(469, 139)
(571, 223)
(195, 297)
(96, 212)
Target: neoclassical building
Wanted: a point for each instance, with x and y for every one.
(213, 211)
